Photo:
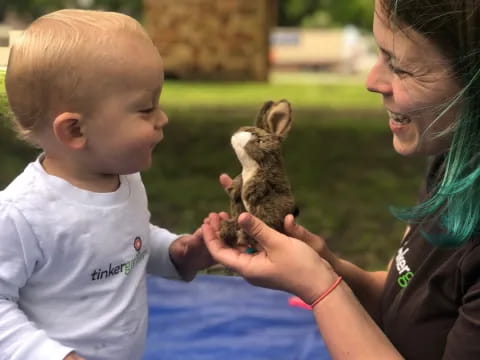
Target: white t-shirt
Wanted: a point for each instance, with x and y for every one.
(73, 266)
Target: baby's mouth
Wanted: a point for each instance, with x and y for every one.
(399, 118)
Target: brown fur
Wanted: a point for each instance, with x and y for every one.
(267, 193)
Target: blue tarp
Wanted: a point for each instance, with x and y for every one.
(223, 317)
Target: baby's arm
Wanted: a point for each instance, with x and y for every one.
(159, 261)
(20, 339)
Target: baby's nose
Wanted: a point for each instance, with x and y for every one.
(161, 120)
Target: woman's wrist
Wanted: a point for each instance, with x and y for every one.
(327, 292)
(319, 284)
(333, 260)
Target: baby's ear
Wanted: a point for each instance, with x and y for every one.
(67, 128)
(275, 117)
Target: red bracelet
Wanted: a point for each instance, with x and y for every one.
(326, 292)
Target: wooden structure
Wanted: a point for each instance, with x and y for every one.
(212, 39)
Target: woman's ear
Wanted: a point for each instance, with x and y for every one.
(68, 129)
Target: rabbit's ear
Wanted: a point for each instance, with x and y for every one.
(263, 114)
(276, 118)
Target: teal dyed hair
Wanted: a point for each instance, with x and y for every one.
(453, 26)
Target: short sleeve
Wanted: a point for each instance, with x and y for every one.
(159, 262)
(463, 339)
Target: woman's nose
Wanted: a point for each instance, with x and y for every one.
(379, 79)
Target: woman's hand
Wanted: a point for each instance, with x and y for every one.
(285, 263)
(295, 230)
(225, 180)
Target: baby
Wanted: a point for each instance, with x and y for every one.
(76, 238)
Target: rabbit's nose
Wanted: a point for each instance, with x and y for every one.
(240, 139)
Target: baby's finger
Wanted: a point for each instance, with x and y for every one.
(198, 233)
(266, 236)
(225, 181)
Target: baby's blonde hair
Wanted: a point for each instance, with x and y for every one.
(49, 63)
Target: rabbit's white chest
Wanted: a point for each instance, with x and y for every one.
(249, 166)
(247, 174)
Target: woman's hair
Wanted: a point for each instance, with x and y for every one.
(49, 64)
(453, 26)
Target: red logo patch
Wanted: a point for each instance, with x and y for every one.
(137, 243)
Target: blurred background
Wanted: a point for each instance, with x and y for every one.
(223, 59)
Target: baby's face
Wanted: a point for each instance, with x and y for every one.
(126, 121)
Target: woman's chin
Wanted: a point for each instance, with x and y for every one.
(405, 148)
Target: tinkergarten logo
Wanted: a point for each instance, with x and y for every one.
(123, 268)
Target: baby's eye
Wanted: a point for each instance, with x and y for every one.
(147, 110)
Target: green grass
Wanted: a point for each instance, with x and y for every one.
(343, 169)
(325, 95)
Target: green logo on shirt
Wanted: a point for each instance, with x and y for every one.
(404, 272)
(404, 279)
(125, 268)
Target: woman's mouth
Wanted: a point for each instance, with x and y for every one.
(398, 118)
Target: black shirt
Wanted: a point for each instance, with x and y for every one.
(431, 301)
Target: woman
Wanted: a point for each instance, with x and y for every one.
(427, 304)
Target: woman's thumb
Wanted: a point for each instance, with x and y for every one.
(225, 181)
(257, 229)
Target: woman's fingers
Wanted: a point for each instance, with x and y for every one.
(265, 235)
(223, 215)
(221, 252)
(214, 221)
(225, 181)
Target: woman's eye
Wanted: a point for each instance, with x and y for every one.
(387, 59)
(396, 70)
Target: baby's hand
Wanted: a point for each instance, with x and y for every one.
(73, 356)
(189, 254)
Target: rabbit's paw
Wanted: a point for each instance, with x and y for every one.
(246, 240)
(228, 232)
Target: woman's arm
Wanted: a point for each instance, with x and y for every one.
(348, 330)
(367, 285)
(291, 265)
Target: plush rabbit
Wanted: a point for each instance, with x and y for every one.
(262, 188)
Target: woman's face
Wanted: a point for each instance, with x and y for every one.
(417, 84)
